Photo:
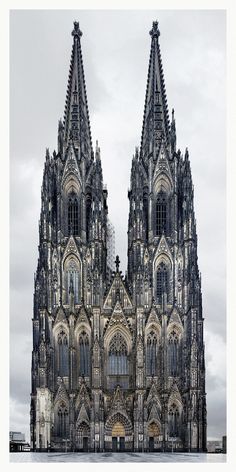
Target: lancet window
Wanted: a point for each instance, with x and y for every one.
(73, 214)
(162, 282)
(72, 281)
(118, 362)
(63, 357)
(62, 421)
(173, 354)
(151, 354)
(174, 420)
(161, 214)
(84, 351)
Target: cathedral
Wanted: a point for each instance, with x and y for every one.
(117, 361)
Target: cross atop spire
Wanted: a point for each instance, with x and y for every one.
(156, 126)
(117, 263)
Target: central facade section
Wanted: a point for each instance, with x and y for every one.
(117, 363)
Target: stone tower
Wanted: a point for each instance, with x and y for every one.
(117, 363)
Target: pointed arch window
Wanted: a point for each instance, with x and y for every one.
(151, 354)
(145, 209)
(73, 214)
(88, 214)
(118, 352)
(161, 214)
(63, 421)
(173, 354)
(84, 351)
(174, 421)
(162, 282)
(72, 281)
(63, 354)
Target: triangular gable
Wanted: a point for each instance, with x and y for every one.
(60, 317)
(153, 394)
(162, 164)
(71, 248)
(61, 395)
(83, 396)
(82, 318)
(154, 413)
(117, 284)
(174, 317)
(175, 394)
(71, 166)
(118, 402)
(83, 415)
(118, 317)
(153, 318)
(163, 248)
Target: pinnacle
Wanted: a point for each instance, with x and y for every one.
(155, 33)
(77, 33)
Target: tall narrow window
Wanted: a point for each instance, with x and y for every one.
(151, 354)
(173, 421)
(73, 215)
(62, 421)
(88, 215)
(63, 357)
(84, 354)
(173, 354)
(72, 281)
(118, 362)
(162, 282)
(161, 214)
(145, 208)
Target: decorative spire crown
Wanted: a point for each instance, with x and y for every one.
(155, 33)
(77, 33)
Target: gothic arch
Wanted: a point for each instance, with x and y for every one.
(61, 349)
(72, 184)
(61, 419)
(72, 279)
(153, 428)
(72, 205)
(83, 348)
(163, 277)
(118, 417)
(152, 342)
(111, 331)
(118, 348)
(162, 183)
(174, 418)
(117, 355)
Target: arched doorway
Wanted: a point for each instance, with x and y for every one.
(83, 435)
(118, 437)
(153, 433)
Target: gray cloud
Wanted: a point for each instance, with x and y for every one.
(116, 48)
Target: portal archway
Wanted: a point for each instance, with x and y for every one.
(153, 435)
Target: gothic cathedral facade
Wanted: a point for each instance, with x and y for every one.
(117, 362)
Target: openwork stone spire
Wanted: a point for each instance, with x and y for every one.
(76, 116)
(156, 125)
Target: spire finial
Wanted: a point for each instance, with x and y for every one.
(76, 31)
(155, 33)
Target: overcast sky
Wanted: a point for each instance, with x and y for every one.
(116, 47)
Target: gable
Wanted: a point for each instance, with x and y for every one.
(71, 178)
(116, 291)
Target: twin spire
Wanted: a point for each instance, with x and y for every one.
(156, 126)
(76, 116)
